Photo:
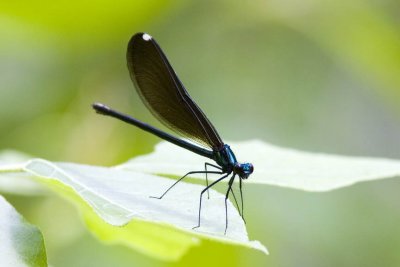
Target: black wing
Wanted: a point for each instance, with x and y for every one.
(164, 94)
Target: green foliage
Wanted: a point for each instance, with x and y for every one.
(21, 242)
(117, 209)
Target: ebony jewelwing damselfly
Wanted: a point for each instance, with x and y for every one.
(166, 97)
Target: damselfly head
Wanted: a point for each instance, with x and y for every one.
(243, 169)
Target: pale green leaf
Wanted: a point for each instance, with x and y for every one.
(21, 243)
(274, 165)
(17, 182)
(160, 228)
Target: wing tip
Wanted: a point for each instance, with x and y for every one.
(141, 36)
(138, 39)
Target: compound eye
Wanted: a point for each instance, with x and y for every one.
(251, 168)
(248, 168)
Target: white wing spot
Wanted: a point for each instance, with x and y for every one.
(146, 37)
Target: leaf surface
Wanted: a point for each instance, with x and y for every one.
(274, 165)
(21, 243)
(121, 200)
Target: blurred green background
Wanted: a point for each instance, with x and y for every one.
(314, 75)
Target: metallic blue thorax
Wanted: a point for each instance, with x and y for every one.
(225, 158)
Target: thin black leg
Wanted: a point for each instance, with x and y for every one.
(241, 198)
(236, 202)
(205, 167)
(180, 179)
(204, 190)
(226, 201)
